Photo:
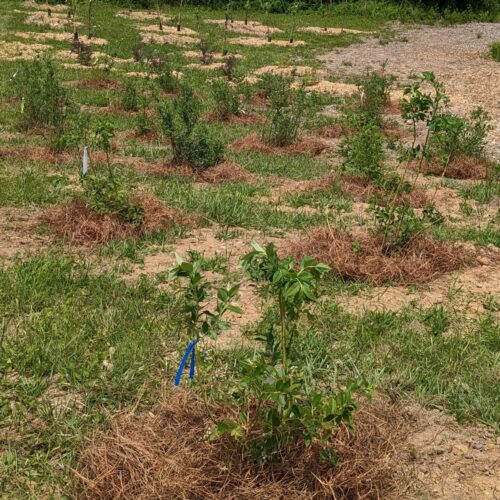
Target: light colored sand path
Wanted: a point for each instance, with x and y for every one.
(456, 54)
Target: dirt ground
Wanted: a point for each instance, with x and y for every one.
(456, 54)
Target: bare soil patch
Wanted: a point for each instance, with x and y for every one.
(305, 144)
(76, 223)
(163, 454)
(284, 70)
(443, 460)
(18, 228)
(363, 257)
(251, 28)
(260, 42)
(456, 54)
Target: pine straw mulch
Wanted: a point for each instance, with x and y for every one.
(421, 260)
(36, 154)
(78, 224)
(459, 167)
(225, 171)
(363, 190)
(163, 454)
(305, 144)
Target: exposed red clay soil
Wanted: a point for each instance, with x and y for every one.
(76, 223)
(362, 257)
(306, 144)
(163, 454)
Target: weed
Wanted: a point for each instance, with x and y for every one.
(495, 51)
(167, 80)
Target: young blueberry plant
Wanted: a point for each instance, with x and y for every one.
(278, 409)
(201, 320)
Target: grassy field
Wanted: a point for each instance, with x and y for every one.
(91, 330)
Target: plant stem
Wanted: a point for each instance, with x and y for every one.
(283, 330)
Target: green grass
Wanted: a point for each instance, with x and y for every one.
(66, 314)
(495, 51)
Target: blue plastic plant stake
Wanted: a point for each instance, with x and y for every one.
(189, 350)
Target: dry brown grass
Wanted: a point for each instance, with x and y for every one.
(162, 454)
(460, 167)
(78, 224)
(363, 257)
(305, 144)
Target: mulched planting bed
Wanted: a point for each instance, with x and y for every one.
(250, 118)
(460, 167)
(78, 224)
(306, 144)
(165, 454)
(362, 257)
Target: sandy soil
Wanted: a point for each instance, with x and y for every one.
(252, 28)
(141, 16)
(445, 461)
(260, 42)
(58, 37)
(456, 54)
(172, 38)
(18, 51)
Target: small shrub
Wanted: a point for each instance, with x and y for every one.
(191, 142)
(397, 224)
(374, 94)
(495, 51)
(43, 98)
(130, 96)
(204, 148)
(84, 53)
(227, 99)
(167, 80)
(206, 56)
(363, 152)
(451, 135)
(288, 112)
(108, 191)
(278, 409)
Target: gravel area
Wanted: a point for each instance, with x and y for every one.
(456, 54)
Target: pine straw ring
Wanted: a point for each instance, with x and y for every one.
(163, 454)
(422, 259)
(78, 224)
